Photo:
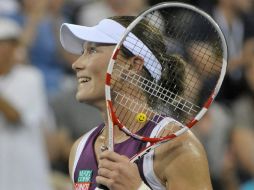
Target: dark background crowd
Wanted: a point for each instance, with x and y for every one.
(40, 118)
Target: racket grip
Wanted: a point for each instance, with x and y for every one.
(101, 187)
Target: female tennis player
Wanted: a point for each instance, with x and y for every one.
(177, 164)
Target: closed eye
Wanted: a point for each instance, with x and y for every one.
(89, 48)
(92, 50)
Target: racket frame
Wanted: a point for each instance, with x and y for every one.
(112, 118)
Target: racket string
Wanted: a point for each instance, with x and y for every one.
(132, 105)
(156, 90)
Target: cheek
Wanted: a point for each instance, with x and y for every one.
(99, 68)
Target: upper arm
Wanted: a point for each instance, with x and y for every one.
(183, 164)
(72, 156)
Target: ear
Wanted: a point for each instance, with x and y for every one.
(136, 63)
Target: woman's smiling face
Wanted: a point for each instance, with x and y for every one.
(91, 70)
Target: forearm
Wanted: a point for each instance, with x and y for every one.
(9, 112)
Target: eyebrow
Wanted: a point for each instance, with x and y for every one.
(94, 44)
(89, 44)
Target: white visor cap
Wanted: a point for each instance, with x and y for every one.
(108, 31)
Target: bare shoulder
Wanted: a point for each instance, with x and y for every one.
(73, 153)
(182, 164)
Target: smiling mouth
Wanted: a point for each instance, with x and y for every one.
(83, 80)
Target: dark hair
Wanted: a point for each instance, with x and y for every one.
(172, 65)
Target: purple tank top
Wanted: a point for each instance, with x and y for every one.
(87, 166)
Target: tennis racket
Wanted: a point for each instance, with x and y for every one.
(166, 70)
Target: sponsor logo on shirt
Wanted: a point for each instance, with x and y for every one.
(84, 180)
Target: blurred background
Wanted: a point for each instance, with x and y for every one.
(40, 118)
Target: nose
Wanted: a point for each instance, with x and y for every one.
(78, 64)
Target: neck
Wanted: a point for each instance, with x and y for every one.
(128, 119)
(127, 107)
(119, 135)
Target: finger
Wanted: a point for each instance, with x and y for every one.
(113, 156)
(107, 164)
(104, 172)
(104, 181)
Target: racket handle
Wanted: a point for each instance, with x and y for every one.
(101, 187)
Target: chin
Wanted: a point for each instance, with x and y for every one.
(83, 99)
(80, 97)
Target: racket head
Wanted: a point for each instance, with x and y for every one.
(169, 63)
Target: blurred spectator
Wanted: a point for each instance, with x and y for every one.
(244, 106)
(242, 136)
(8, 6)
(24, 114)
(212, 130)
(91, 13)
(228, 137)
(231, 16)
(238, 161)
(41, 22)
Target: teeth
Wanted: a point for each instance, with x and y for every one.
(84, 79)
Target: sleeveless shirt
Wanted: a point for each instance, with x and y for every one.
(86, 166)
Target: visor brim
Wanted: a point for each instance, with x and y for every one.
(72, 37)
